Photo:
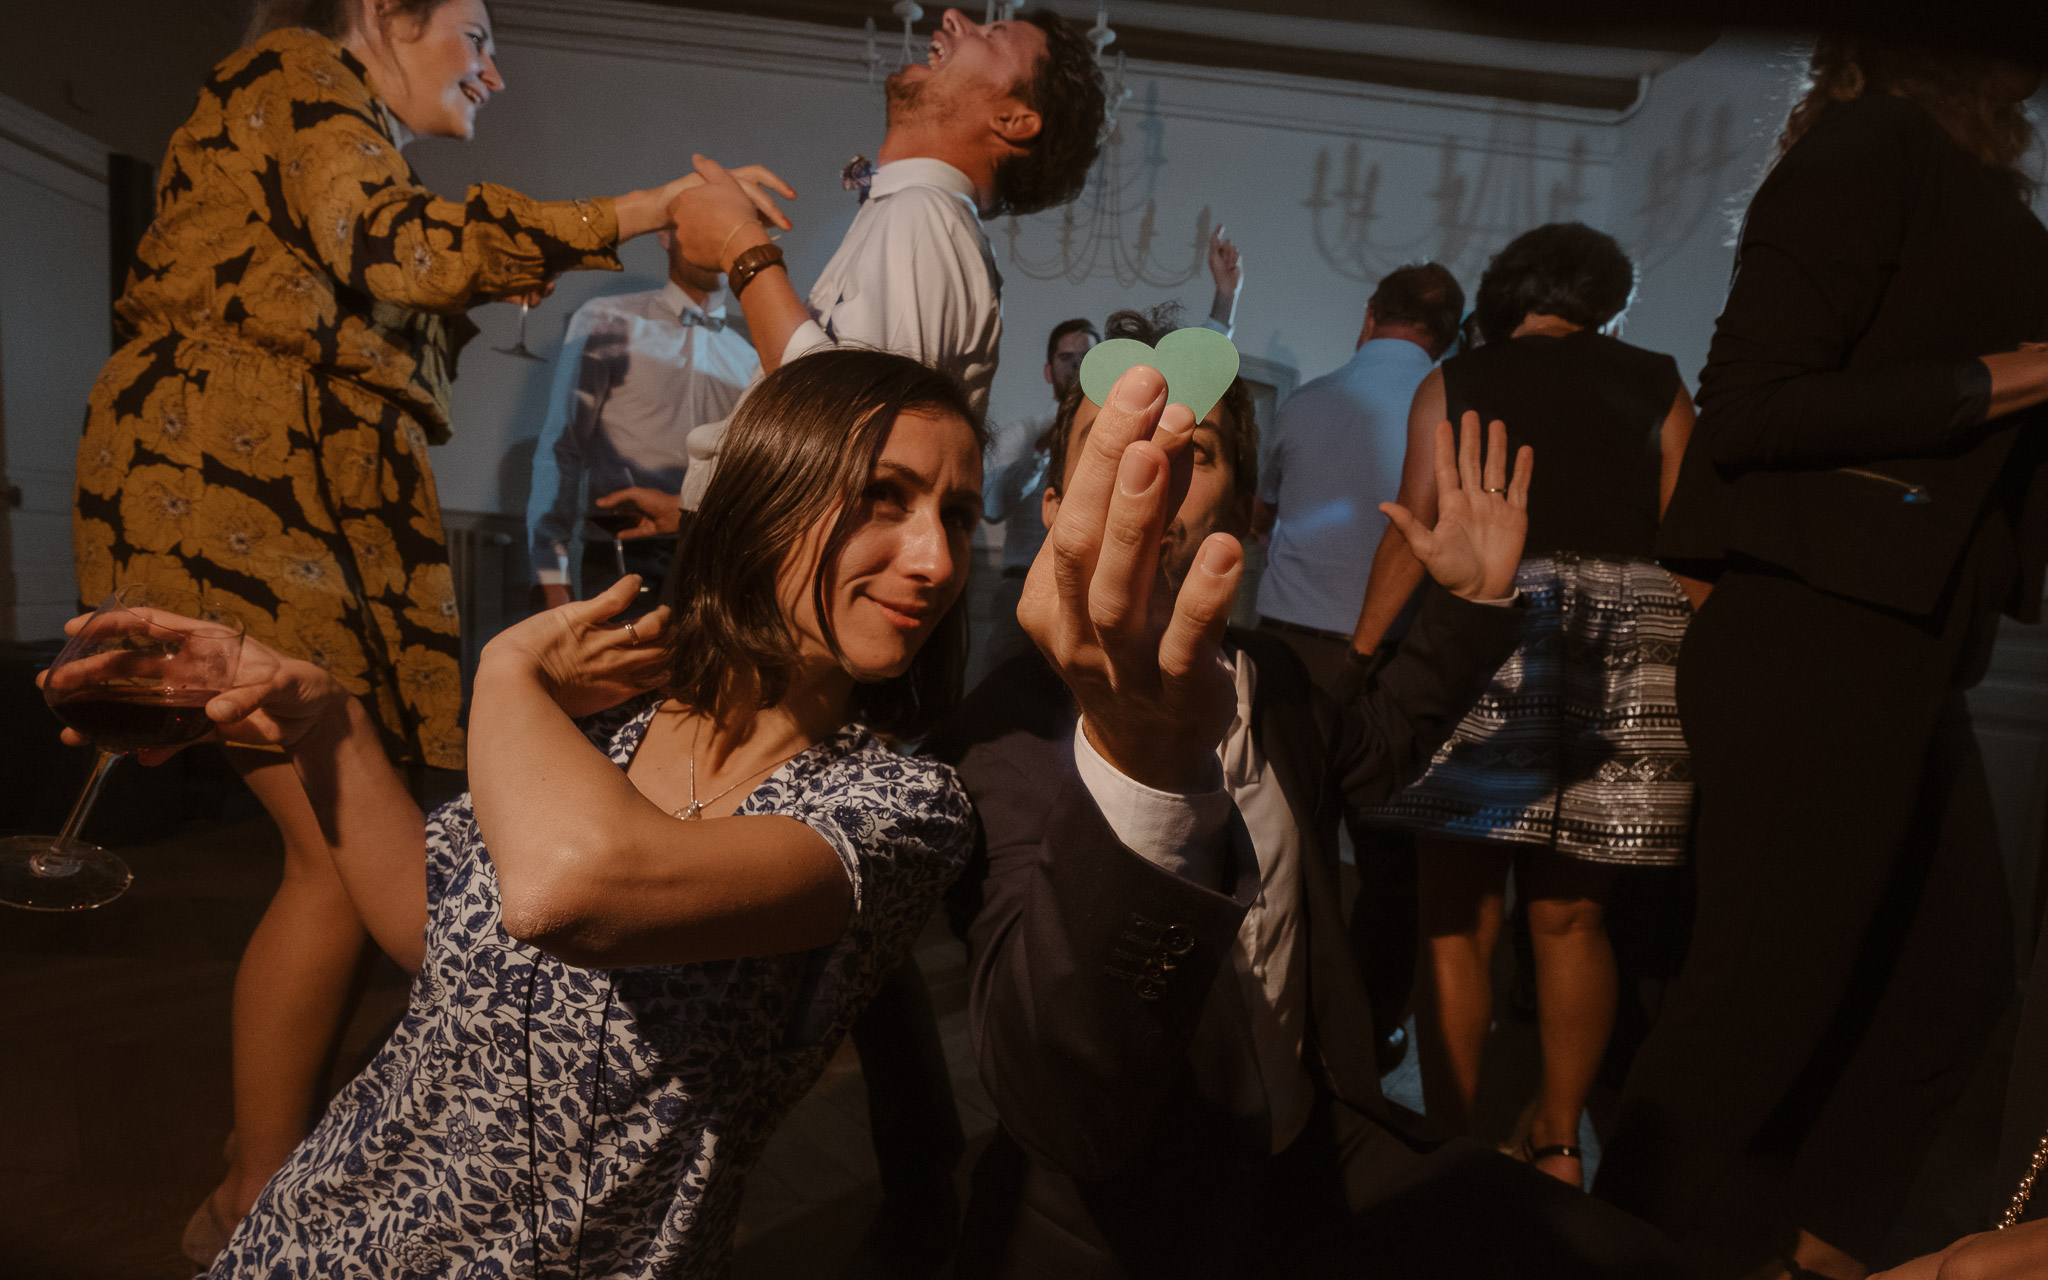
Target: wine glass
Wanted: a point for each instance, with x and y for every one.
(519, 348)
(137, 675)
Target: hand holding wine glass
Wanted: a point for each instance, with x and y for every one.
(136, 675)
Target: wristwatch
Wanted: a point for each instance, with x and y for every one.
(750, 264)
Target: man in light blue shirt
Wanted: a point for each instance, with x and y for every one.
(1336, 455)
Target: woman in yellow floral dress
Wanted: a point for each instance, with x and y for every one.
(291, 329)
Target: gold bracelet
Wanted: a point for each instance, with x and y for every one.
(720, 255)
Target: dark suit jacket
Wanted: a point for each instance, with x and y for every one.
(1109, 1029)
(1842, 433)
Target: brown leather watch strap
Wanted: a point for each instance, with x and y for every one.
(750, 264)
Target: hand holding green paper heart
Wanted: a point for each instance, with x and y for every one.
(1198, 365)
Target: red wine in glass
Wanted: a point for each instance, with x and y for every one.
(137, 674)
(136, 718)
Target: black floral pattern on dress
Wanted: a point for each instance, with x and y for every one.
(290, 331)
(530, 1118)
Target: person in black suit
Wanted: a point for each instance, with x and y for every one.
(1865, 489)
(1165, 1005)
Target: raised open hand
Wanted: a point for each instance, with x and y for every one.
(1155, 696)
(1225, 268)
(1482, 515)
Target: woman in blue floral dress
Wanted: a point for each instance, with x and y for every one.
(643, 933)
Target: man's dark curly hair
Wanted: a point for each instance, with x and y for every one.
(1065, 89)
(1237, 433)
(1562, 269)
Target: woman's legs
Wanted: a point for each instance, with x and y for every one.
(291, 991)
(1463, 883)
(1575, 994)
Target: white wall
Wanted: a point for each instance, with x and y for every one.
(606, 96)
(54, 335)
(1688, 159)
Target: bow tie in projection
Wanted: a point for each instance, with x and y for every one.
(713, 323)
(858, 175)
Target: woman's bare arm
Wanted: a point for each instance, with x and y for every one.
(1396, 573)
(592, 871)
(1672, 439)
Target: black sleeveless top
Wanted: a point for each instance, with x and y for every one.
(1592, 408)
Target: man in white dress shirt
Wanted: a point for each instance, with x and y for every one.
(1002, 118)
(636, 373)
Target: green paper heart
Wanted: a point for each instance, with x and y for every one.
(1198, 365)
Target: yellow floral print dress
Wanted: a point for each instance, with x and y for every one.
(291, 327)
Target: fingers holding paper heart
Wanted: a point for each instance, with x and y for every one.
(1198, 364)
(1155, 697)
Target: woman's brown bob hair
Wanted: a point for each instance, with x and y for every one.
(801, 449)
(1964, 91)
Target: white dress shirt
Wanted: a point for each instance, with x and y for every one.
(914, 275)
(636, 373)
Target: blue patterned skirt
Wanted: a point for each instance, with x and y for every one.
(1575, 744)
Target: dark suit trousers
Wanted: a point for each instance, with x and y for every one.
(911, 1113)
(1384, 920)
(1348, 1200)
(1852, 948)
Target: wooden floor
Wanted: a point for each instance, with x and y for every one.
(114, 1078)
(114, 1082)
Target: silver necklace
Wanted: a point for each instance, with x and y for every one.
(695, 811)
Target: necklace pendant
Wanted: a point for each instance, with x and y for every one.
(694, 813)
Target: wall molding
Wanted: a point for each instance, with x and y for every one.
(52, 154)
(1338, 108)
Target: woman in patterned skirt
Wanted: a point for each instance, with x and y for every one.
(642, 934)
(1571, 765)
(291, 327)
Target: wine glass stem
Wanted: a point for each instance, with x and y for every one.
(523, 309)
(102, 761)
(619, 554)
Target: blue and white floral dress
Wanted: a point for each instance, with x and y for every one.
(530, 1118)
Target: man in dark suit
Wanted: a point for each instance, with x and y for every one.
(1165, 1004)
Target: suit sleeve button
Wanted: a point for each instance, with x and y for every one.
(1151, 989)
(1178, 939)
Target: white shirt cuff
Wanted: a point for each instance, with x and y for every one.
(1502, 602)
(1180, 832)
(809, 336)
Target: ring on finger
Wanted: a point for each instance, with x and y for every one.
(1490, 489)
(632, 635)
